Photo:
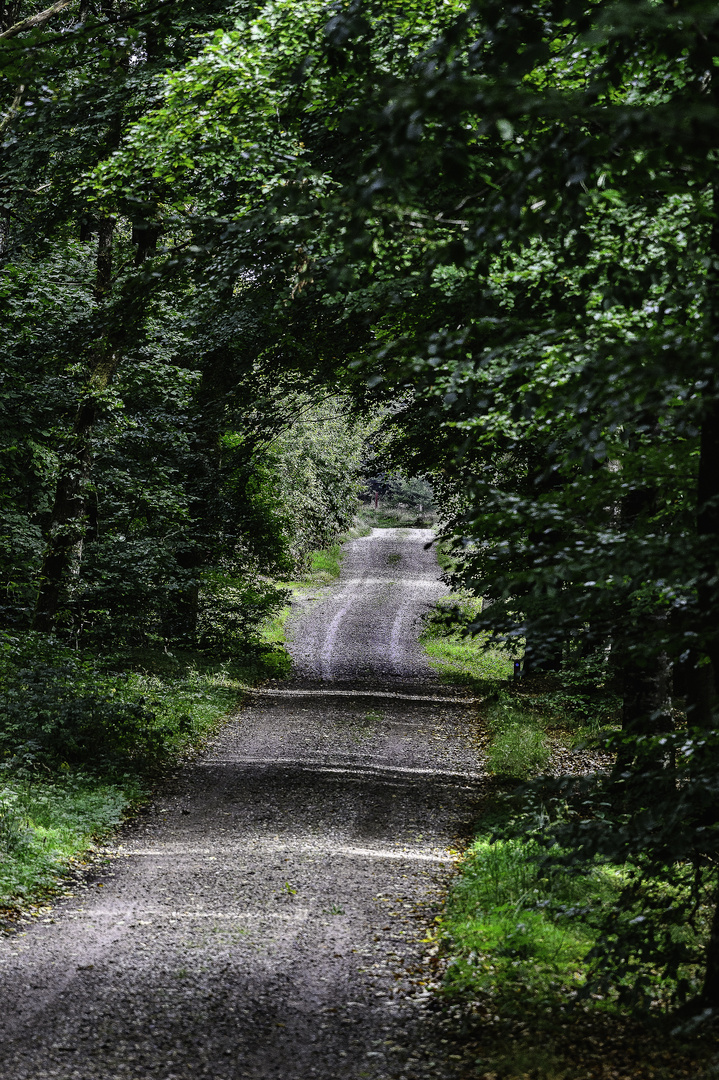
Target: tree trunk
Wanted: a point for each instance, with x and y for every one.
(702, 688)
(4, 230)
(63, 554)
(543, 654)
(645, 681)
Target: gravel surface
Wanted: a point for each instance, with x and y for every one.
(265, 918)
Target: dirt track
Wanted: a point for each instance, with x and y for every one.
(265, 919)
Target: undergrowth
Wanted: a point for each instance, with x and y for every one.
(458, 658)
(394, 518)
(519, 747)
(511, 922)
(518, 948)
(45, 824)
(82, 741)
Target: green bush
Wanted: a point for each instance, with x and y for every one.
(233, 611)
(58, 709)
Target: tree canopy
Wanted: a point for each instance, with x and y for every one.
(223, 225)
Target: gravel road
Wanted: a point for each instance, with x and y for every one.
(265, 918)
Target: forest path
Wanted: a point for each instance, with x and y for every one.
(265, 918)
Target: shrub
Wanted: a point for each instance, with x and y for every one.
(58, 709)
(233, 610)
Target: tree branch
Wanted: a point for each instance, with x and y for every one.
(35, 20)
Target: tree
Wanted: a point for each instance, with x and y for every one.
(502, 220)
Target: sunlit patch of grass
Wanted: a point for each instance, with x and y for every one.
(458, 658)
(463, 662)
(519, 748)
(327, 562)
(323, 567)
(514, 944)
(272, 630)
(512, 925)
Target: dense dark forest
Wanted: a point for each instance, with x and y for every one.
(255, 254)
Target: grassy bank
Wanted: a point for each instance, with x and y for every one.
(84, 739)
(515, 962)
(521, 956)
(458, 659)
(83, 742)
(520, 720)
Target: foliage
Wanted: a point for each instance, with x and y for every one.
(398, 491)
(315, 466)
(58, 710)
(519, 920)
(45, 825)
(130, 713)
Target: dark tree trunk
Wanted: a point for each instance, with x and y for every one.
(546, 656)
(702, 688)
(644, 675)
(180, 619)
(646, 711)
(63, 554)
(145, 235)
(4, 231)
(543, 654)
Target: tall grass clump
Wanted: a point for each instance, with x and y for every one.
(519, 747)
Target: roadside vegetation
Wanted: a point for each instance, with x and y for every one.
(540, 951)
(85, 736)
(458, 657)
(83, 741)
(518, 955)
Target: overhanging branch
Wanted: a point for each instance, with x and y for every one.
(33, 21)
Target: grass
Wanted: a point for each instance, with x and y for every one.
(503, 928)
(519, 748)
(44, 826)
(514, 941)
(514, 944)
(326, 563)
(459, 659)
